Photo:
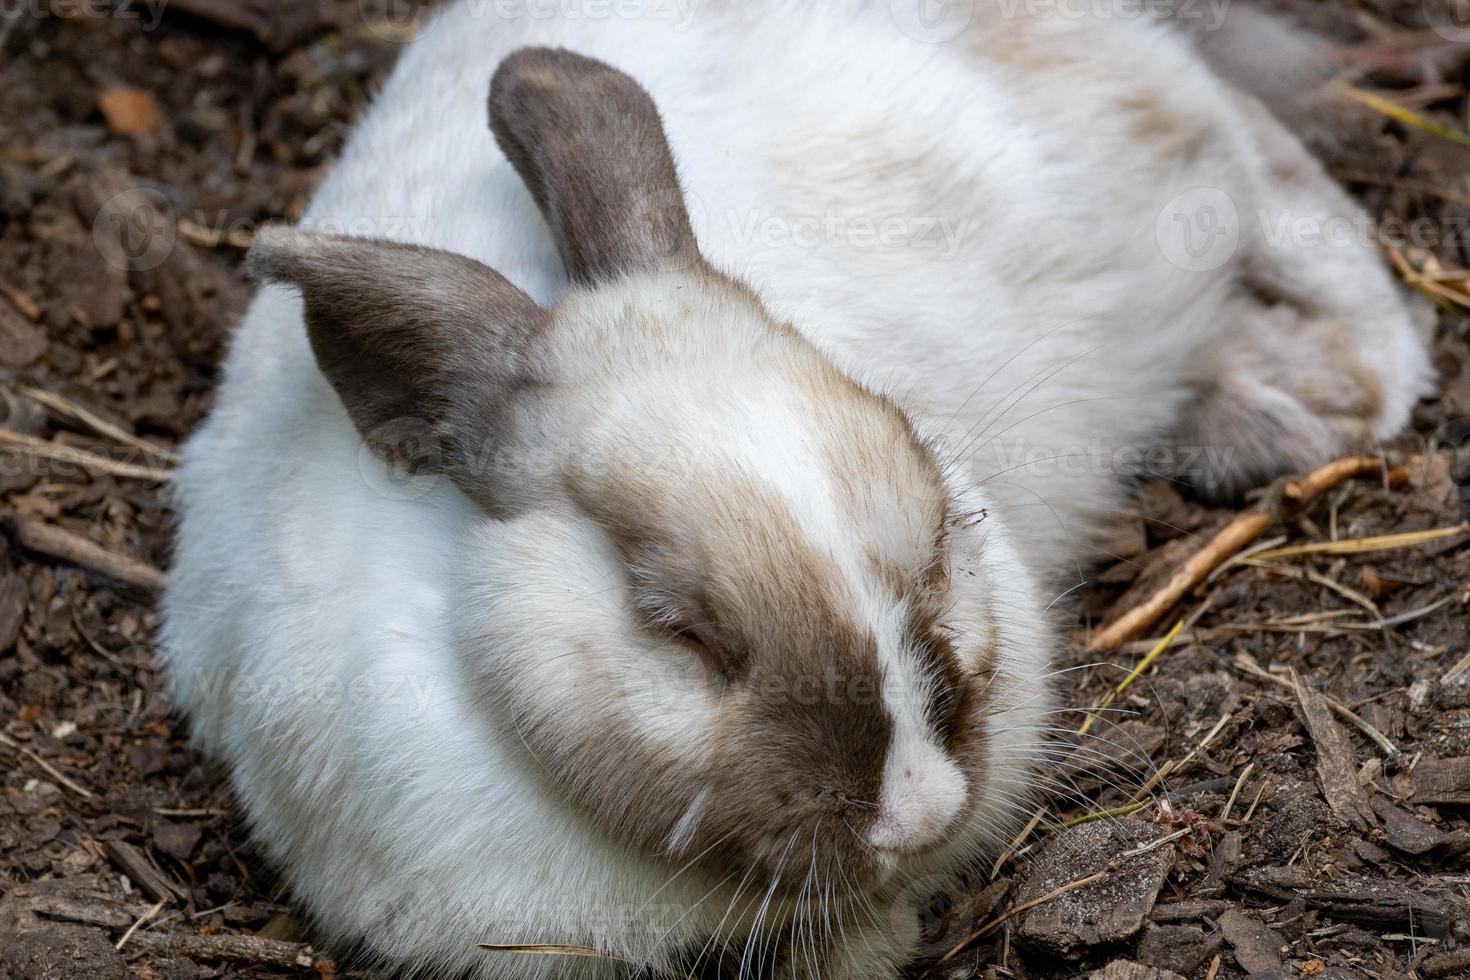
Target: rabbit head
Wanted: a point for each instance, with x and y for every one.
(728, 602)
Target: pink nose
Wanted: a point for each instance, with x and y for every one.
(920, 803)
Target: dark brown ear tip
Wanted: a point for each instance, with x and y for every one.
(540, 74)
(532, 65)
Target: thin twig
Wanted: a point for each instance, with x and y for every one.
(1160, 774)
(1426, 284)
(1329, 475)
(1255, 803)
(1239, 784)
(214, 237)
(1307, 574)
(1408, 117)
(1017, 841)
(51, 770)
(1155, 845)
(1117, 811)
(1453, 674)
(139, 923)
(1171, 767)
(1240, 532)
(93, 462)
(1357, 546)
(1246, 663)
(99, 425)
(48, 539)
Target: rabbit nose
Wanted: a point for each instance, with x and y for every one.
(923, 792)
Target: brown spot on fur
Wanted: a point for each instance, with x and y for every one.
(1151, 121)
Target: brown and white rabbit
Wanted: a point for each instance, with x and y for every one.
(639, 532)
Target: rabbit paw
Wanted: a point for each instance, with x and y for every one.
(1289, 390)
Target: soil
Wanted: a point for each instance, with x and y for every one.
(143, 142)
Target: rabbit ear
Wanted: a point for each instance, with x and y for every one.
(587, 141)
(424, 347)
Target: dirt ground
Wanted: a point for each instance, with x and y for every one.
(1253, 827)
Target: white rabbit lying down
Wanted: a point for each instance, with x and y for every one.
(716, 611)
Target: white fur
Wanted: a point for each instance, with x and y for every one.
(317, 607)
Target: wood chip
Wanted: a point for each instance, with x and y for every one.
(251, 949)
(1110, 910)
(14, 596)
(1442, 781)
(21, 342)
(79, 899)
(1257, 946)
(1129, 970)
(141, 871)
(1372, 902)
(1406, 833)
(1337, 768)
(1456, 964)
(130, 111)
(1189, 911)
